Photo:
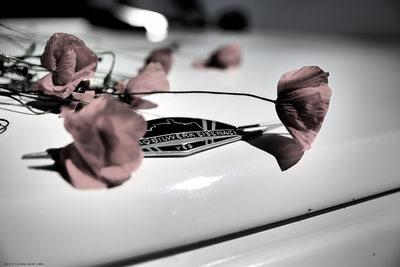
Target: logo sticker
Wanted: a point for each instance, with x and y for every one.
(175, 136)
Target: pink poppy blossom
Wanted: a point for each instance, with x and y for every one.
(69, 60)
(302, 103)
(105, 150)
(136, 102)
(86, 97)
(224, 57)
(162, 56)
(152, 78)
(47, 87)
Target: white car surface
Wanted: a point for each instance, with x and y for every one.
(232, 205)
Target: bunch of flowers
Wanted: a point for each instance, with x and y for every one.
(103, 120)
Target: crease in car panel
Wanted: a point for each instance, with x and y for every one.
(220, 239)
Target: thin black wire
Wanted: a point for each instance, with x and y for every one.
(107, 81)
(202, 92)
(3, 125)
(107, 78)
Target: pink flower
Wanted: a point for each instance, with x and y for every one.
(120, 87)
(224, 57)
(105, 150)
(134, 101)
(162, 56)
(87, 97)
(69, 60)
(302, 103)
(151, 78)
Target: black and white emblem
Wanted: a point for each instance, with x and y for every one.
(177, 136)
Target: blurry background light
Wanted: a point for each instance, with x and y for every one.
(156, 24)
(371, 18)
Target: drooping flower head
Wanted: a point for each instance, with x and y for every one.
(69, 60)
(302, 103)
(105, 150)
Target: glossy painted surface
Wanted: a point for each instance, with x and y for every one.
(367, 234)
(172, 202)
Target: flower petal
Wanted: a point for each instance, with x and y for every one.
(224, 57)
(162, 56)
(55, 48)
(87, 96)
(76, 171)
(70, 60)
(106, 134)
(308, 76)
(152, 78)
(302, 103)
(119, 88)
(140, 103)
(47, 87)
(65, 69)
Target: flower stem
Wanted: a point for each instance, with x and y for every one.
(204, 92)
(107, 78)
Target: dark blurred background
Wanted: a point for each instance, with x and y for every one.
(364, 17)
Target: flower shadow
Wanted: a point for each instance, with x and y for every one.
(54, 154)
(52, 106)
(59, 166)
(286, 150)
(55, 167)
(50, 167)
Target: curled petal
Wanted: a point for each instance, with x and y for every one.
(58, 44)
(70, 61)
(47, 86)
(152, 78)
(308, 76)
(162, 56)
(106, 134)
(302, 103)
(66, 68)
